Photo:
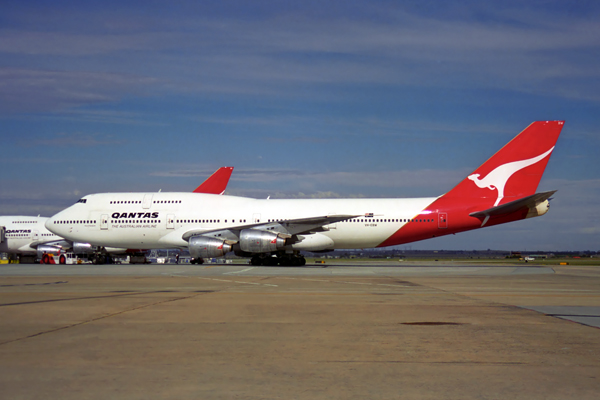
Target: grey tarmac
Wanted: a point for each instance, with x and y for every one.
(333, 331)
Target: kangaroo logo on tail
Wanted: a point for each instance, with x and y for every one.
(500, 175)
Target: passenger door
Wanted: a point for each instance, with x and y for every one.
(104, 222)
(147, 201)
(442, 220)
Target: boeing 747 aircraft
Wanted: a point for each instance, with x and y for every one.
(27, 236)
(272, 232)
(29, 239)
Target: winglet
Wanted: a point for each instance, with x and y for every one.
(216, 183)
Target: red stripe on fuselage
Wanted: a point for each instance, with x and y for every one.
(457, 219)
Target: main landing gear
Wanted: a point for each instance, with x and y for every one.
(286, 260)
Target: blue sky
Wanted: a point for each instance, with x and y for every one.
(304, 99)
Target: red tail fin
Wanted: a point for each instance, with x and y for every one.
(501, 190)
(516, 169)
(216, 183)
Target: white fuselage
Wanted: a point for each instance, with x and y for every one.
(160, 220)
(23, 234)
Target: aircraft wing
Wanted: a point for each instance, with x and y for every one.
(526, 202)
(284, 228)
(56, 243)
(216, 183)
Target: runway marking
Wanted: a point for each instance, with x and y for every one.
(237, 272)
(75, 298)
(385, 284)
(34, 284)
(528, 295)
(352, 283)
(103, 316)
(422, 362)
(318, 293)
(492, 290)
(242, 282)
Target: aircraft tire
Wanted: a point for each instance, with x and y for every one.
(269, 261)
(256, 261)
(285, 261)
(292, 261)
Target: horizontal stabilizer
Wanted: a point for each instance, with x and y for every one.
(526, 202)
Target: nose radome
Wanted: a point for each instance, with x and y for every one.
(52, 226)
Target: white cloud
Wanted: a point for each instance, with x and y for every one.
(405, 178)
(30, 90)
(282, 53)
(77, 139)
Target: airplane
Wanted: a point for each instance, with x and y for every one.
(275, 231)
(29, 238)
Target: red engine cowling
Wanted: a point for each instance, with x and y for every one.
(255, 241)
(207, 247)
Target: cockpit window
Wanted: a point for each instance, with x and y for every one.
(82, 201)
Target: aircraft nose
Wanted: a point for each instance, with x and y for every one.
(53, 225)
(50, 224)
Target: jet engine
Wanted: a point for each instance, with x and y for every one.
(207, 247)
(47, 249)
(83, 248)
(255, 241)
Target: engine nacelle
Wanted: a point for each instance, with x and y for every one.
(47, 249)
(255, 241)
(313, 242)
(83, 248)
(538, 210)
(207, 247)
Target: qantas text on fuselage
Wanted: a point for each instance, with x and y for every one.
(274, 231)
(138, 215)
